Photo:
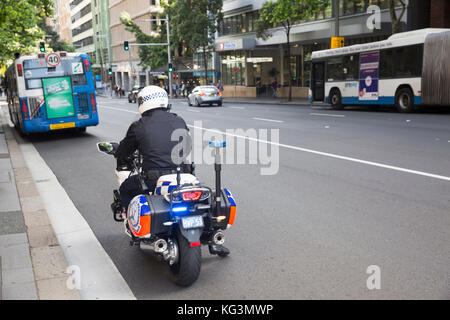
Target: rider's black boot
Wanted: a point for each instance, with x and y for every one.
(221, 251)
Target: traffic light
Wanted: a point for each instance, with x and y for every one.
(110, 71)
(126, 47)
(42, 46)
(170, 67)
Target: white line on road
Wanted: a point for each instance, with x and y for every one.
(330, 155)
(192, 110)
(269, 120)
(236, 108)
(328, 115)
(118, 109)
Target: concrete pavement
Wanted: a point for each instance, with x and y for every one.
(33, 265)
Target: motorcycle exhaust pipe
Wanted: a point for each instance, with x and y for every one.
(160, 246)
(218, 238)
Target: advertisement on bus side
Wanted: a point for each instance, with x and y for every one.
(368, 75)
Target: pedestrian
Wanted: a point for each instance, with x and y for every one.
(220, 86)
(183, 89)
(174, 90)
(274, 87)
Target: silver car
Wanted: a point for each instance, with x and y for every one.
(205, 95)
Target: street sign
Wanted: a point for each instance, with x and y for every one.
(53, 59)
(337, 42)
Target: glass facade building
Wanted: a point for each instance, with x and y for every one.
(237, 69)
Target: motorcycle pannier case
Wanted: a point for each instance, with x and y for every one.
(227, 209)
(147, 215)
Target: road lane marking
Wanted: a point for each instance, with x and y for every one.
(328, 115)
(269, 120)
(118, 109)
(192, 110)
(331, 155)
(236, 108)
(326, 154)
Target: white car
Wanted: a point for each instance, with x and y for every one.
(205, 95)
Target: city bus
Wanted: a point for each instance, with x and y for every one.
(51, 91)
(407, 70)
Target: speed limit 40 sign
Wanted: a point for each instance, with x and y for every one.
(53, 60)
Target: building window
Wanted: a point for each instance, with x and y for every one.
(228, 63)
(81, 13)
(85, 26)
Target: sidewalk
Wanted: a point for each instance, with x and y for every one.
(33, 266)
(272, 101)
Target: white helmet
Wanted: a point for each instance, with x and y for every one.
(152, 97)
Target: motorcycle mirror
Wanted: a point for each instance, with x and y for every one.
(107, 147)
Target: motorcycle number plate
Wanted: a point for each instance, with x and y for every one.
(192, 222)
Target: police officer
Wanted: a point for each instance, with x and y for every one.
(152, 136)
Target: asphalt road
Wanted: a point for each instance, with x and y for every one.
(354, 189)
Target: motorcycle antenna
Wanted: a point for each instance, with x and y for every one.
(218, 168)
(178, 176)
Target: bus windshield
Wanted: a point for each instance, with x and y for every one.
(35, 70)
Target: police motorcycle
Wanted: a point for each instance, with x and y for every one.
(176, 218)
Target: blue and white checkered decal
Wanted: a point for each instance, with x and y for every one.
(155, 95)
(167, 183)
(165, 188)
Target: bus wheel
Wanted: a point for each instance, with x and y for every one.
(81, 129)
(336, 99)
(404, 100)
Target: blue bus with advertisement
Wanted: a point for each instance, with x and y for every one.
(51, 91)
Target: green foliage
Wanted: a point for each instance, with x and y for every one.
(19, 31)
(52, 39)
(286, 13)
(193, 22)
(150, 56)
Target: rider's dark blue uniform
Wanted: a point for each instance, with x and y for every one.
(152, 136)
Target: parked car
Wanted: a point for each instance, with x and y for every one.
(205, 95)
(132, 96)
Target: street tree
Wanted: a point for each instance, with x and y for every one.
(286, 13)
(53, 40)
(193, 24)
(150, 56)
(395, 20)
(19, 31)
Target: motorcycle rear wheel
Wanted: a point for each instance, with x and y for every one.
(186, 271)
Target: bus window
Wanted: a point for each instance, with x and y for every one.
(335, 69)
(35, 71)
(386, 64)
(351, 67)
(408, 61)
(79, 80)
